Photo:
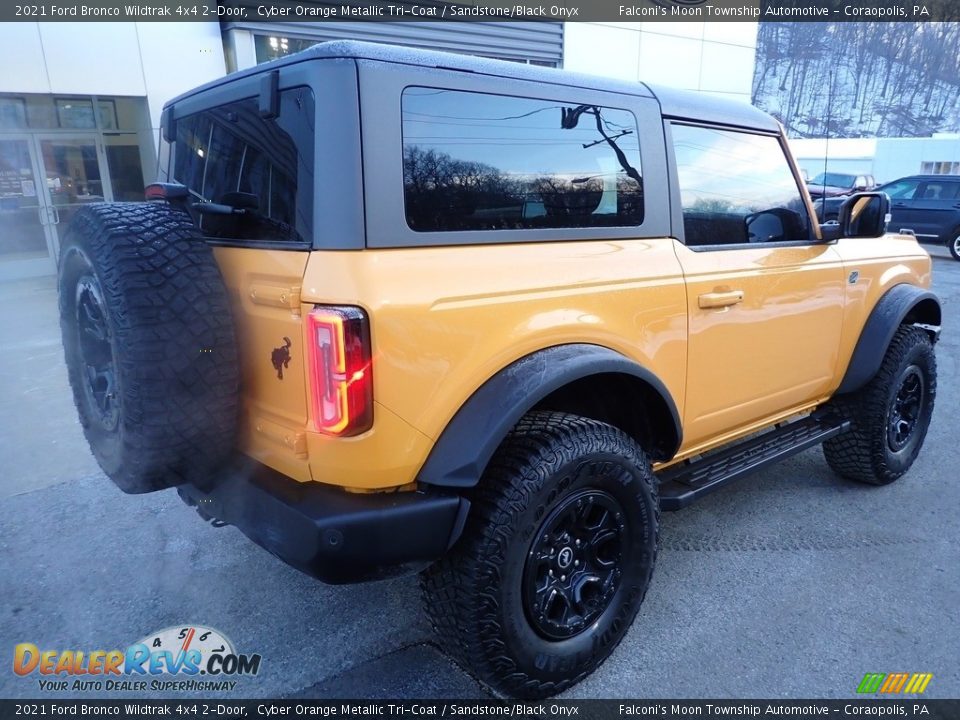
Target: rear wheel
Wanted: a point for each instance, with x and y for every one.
(954, 244)
(890, 415)
(555, 560)
(149, 345)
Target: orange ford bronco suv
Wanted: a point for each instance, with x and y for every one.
(390, 311)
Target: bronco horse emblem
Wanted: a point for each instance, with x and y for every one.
(280, 357)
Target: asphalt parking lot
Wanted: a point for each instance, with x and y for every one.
(789, 584)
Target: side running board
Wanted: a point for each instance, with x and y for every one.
(685, 482)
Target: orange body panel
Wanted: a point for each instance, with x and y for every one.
(264, 287)
(446, 319)
(880, 264)
(741, 338)
(773, 352)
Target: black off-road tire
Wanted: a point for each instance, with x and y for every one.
(878, 449)
(149, 344)
(553, 471)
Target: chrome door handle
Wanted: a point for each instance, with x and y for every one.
(43, 214)
(56, 215)
(721, 299)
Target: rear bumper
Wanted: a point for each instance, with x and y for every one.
(335, 536)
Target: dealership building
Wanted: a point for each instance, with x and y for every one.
(80, 102)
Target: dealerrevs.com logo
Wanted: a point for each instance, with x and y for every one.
(185, 652)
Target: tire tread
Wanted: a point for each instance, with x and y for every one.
(859, 455)
(177, 356)
(464, 622)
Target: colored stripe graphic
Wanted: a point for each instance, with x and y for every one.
(871, 682)
(894, 683)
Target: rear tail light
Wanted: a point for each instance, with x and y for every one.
(341, 378)
(165, 191)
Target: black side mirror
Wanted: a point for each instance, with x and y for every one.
(865, 215)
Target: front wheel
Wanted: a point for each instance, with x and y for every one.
(555, 560)
(954, 245)
(890, 415)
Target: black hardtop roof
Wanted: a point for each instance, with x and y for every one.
(954, 178)
(684, 104)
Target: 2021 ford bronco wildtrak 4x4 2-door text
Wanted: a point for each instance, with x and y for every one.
(392, 311)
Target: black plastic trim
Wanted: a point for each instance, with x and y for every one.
(268, 102)
(887, 315)
(749, 246)
(259, 244)
(466, 445)
(168, 127)
(681, 484)
(328, 533)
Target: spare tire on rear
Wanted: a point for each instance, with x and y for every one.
(149, 344)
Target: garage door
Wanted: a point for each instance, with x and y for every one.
(534, 42)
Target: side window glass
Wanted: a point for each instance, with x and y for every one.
(475, 161)
(190, 156)
(736, 187)
(231, 155)
(938, 190)
(902, 190)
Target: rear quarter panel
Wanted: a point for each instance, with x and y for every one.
(445, 319)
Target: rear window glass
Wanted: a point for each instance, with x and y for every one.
(231, 155)
(474, 161)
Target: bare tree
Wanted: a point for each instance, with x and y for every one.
(881, 79)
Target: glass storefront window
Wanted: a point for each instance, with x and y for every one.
(58, 153)
(107, 111)
(46, 112)
(13, 113)
(271, 47)
(22, 235)
(75, 113)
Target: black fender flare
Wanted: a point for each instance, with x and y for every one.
(898, 304)
(465, 446)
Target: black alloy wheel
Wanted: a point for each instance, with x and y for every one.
(573, 566)
(906, 408)
(97, 357)
(555, 559)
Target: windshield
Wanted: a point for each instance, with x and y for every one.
(834, 179)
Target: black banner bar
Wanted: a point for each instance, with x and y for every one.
(134, 709)
(484, 10)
